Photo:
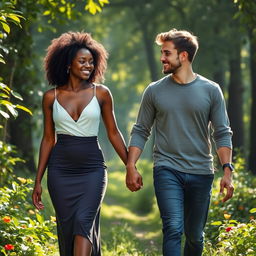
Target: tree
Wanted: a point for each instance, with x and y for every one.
(246, 13)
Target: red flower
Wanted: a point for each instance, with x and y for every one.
(6, 219)
(229, 228)
(9, 247)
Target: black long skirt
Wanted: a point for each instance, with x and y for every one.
(77, 181)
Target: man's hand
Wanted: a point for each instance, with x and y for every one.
(133, 179)
(226, 183)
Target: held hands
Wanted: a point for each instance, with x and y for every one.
(36, 196)
(133, 179)
(226, 183)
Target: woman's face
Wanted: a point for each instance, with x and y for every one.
(82, 65)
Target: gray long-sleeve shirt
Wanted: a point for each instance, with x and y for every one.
(183, 114)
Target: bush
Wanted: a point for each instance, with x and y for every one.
(237, 208)
(235, 239)
(8, 160)
(23, 231)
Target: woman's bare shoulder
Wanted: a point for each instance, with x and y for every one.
(102, 90)
(49, 96)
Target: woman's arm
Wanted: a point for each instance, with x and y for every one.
(108, 116)
(46, 146)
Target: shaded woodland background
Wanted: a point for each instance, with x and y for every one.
(127, 29)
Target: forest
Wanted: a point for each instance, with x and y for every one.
(130, 222)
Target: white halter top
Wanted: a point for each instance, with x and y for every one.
(87, 124)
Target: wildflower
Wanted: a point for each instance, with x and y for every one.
(53, 219)
(227, 216)
(229, 228)
(241, 225)
(22, 180)
(240, 207)
(9, 247)
(7, 219)
(216, 202)
(31, 212)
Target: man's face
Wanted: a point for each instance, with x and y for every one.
(169, 58)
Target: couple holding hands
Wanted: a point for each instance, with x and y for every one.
(182, 106)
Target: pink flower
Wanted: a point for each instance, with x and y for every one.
(9, 247)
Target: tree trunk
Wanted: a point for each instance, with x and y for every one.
(252, 154)
(235, 99)
(218, 77)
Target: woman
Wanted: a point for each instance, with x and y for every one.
(76, 171)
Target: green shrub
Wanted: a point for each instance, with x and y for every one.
(23, 231)
(8, 160)
(236, 208)
(234, 239)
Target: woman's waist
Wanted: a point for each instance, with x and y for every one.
(73, 138)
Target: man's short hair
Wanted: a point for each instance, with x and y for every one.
(182, 39)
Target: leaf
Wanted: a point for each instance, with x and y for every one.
(253, 210)
(14, 17)
(4, 114)
(48, 12)
(6, 27)
(12, 110)
(92, 7)
(16, 95)
(4, 87)
(51, 235)
(62, 9)
(4, 95)
(24, 109)
(102, 2)
(216, 223)
(232, 221)
(39, 218)
(15, 221)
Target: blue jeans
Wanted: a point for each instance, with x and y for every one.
(183, 200)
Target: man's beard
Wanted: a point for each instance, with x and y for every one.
(172, 69)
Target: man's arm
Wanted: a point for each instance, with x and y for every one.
(225, 156)
(139, 135)
(133, 178)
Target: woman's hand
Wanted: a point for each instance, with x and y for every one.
(36, 196)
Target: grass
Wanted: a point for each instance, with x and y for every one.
(120, 208)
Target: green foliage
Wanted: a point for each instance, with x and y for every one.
(235, 239)
(122, 242)
(8, 15)
(231, 226)
(8, 160)
(246, 12)
(66, 9)
(23, 231)
(237, 208)
(6, 106)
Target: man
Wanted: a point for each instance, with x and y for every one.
(183, 105)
